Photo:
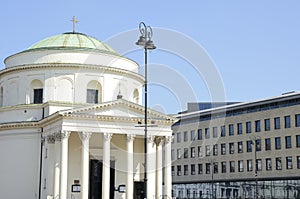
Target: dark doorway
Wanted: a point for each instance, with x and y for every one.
(139, 190)
(96, 179)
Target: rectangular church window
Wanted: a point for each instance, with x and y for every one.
(38, 96)
(92, 96)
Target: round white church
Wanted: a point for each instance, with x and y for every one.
(71, 125)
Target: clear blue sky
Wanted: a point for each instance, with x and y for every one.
(254, 44)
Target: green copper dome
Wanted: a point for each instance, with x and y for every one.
(72, 40)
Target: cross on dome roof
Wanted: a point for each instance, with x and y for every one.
(74, 20)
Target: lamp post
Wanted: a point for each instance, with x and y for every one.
(254, 142)
(146, 42)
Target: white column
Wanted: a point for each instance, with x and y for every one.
(159, 166)
(151, 167)
(85, 139)
(56, 180)
(106, 165)
(167, 168)
(44, 167)
(50, 163)
(64, 164)
(129, 185)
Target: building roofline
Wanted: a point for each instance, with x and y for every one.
(241, 105)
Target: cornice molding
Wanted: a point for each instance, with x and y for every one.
(102, 68)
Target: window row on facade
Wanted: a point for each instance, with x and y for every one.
(239, 128)
(237, 166)
(236, 147)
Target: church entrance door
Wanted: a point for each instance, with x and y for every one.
(96, 179)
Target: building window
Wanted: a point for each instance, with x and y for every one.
(172, 154)
(193, 170)
(185, 170)
(232, 169)
(185, 136)
(199, 151)
(38, 96)
(239, 128)
(178, 153)
(178, 170)
(193, 135)
(207, 150)
(267, 124)
(249, 165)
(249, 146)
(278, 164)
(240, 147)
(207, 168)
(215, 165)
(178, 137)
(231, 148)
(268, 164)
(192, 152)
(277, 123)
(223, 164)
(223, 131)
(248, 127)
(257, 126)
(298, 141)
(231, 129)
(207, 133)
(287, 121)
(215, 150)
(185, 153)
(92, 96)
(199, 134)
(277, 143)
(288, 142)
(258, 165)
(223, 149)
(268, 144)
(297, 120)
(215, 132)
(241, 165)
(258, 144)
(298, 162)
(200, 168)
(289, 162)
(173, 171)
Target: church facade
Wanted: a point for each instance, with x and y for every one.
(71, 124)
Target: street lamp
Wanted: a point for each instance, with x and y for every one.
(254, 142)
(146, 42)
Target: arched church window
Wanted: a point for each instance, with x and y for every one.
(136, 96)
(37, 91)
(94, 92)
(1, 96)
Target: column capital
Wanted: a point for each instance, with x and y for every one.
(168, 139)
(129, 137)
(107, 136)
(50, 139)
(65, 134)
(150, 139)
(159, 141)
(85, 135)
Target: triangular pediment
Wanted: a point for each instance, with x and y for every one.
(117, 109)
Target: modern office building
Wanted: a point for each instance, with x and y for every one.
(238, 150)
